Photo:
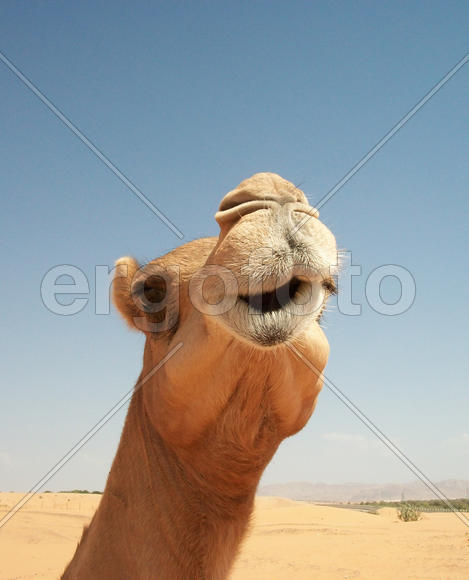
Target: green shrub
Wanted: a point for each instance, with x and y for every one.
(409, 513)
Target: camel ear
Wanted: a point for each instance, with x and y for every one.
(124, 274)
(147, 297)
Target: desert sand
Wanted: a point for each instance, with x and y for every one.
(289, 540)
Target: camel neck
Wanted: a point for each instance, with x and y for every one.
(160, 516)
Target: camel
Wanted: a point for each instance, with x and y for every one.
(219, 390)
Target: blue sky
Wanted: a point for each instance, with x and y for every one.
(188, 99)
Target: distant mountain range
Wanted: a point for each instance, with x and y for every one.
(357, 492)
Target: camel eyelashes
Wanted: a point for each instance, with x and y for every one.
(329, 285)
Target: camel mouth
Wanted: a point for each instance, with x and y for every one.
(275, 300)
(272, 318)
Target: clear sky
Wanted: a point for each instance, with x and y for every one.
(188, 99)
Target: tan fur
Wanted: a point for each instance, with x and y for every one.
(201, 430)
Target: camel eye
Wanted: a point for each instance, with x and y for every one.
(150, 293)
(154, 289)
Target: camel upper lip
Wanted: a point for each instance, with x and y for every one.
(274, 300)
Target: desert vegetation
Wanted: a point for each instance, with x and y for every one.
(431, 505)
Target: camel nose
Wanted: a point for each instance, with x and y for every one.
(261, 191)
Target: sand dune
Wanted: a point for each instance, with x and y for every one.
(289, 540)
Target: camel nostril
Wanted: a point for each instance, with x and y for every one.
(261, 191)
(238, 210)
(242, 198)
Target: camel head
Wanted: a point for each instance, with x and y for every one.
(262, 281)
(235, 302)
